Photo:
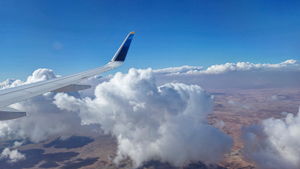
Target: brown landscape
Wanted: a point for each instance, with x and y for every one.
(235, 107)
(251, 106)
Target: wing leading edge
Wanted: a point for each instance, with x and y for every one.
(60, 84)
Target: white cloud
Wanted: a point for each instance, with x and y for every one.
(231, 67)
(17, 144)
(10, 83)
(247, 66)
(236, 75)
(37, 75)
(6, 83)
(13, 155)
(234, 103)
(179, 70)
(154, 119)
(36, 125)
(272, 98)
(166, 123)
(276, 98)
(275, 143)
(219, 124)
(40, 75)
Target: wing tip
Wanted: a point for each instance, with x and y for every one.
(122, 51)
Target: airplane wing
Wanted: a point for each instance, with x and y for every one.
(60, 84)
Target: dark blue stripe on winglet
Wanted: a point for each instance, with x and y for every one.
(123, 52)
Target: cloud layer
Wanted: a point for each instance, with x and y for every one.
(275, 143)
(179, 70)
(155, 119)
(232, 67)
(166, 123)
(235, 75)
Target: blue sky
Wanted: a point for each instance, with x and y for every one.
(168, 34)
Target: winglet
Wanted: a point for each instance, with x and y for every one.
(122, 51)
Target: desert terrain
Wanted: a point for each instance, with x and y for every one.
(240, 107)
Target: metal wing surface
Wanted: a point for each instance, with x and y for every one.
(60, 84)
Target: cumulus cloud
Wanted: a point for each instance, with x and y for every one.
(13, 155)
(236, 75)
(40, 75)
(6, 83)
(10, 83)
(166, 122)
(274, 143)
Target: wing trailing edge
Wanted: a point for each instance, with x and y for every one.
(7, 113)
(72, 88)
